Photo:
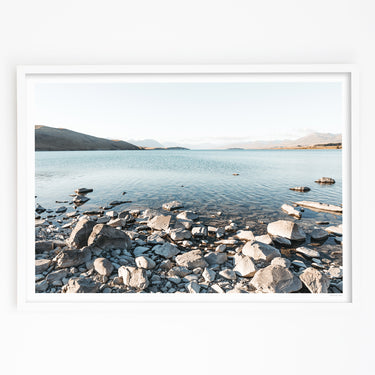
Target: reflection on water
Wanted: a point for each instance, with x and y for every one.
(202, 180)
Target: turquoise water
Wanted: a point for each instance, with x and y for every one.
(201, 179)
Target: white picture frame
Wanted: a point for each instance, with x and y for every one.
(28, 299)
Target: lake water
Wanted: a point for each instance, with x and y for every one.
(201, 179)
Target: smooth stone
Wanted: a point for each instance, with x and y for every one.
(79, 200)
(276, 279)
(61, 209)
(167, 250)
(302, 189)
(160, 222)
(170, 206)
(140, 250)
(103, 266)
(82, 285)
(191, 259)
(335, 229)
(220, 248)
(319, 235)
(145, 262)
(245, 235)
(116, 222)
(308, 252)
(266, 238)
(228, 274)
(41, 265)
(83, 191)
(179, 234)
(73, 258)
(187, 215)
(281, 262)
(209, 275)
(299, 263)
(244, 266)
(282, 241)
(334, 272)
(200, 231)
(81, 233)
(134, 277)
(105, 237)
(314, 280)
(260, 251)
(216, 258)
(318, 206)
(291, 210)
(325, 180)
(287, 229)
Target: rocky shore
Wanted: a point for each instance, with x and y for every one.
(173, 250)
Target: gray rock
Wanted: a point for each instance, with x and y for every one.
(56, 275)
(42, 246)
(41, 265)
(160, 222)
(335, 229)
(174, 205)
(167, 250)
(112, 214)
(303, 189)
(180, 234)
(217, 288)
(187, 215)
(39, 209)
(216, 258)
(276, 279)
(264, 239)
(193, 287)
(103, 266)
(200, 231)
(61, 209)
(281, 262)
(228, 274)
(179, 271)
(140, 250)
(184, 223)
(319, 235)
(145, 262)
(282, 241)
(308, 252)
(105, 237)
(287, 229)
(291, 210)
(315, 281)
(79, 200)
(134, 277)
(318, 206)
(299, 263)
(155, 238)
(325, 180)
(82, 285)
(244, 266)
(220, 248)
(117, 222)
(191, 259)
(41, 286)
(245, 235)
(73, 258)
(83, 191)
(80, 234)
(334, 272)
(209, 275)
(260, 251)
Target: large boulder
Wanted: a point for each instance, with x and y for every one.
(276, 279)
(160, 222)
(81, 233)
(82, 285)
(244, 266)
(287, 229)
(103, 266)
(191, 260)
(260, 251)
(315, 281)
(134, 277)
(167, 250)
(73, 258)
(105, 237)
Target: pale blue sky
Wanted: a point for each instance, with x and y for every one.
(192, 113)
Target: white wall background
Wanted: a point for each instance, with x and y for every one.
(187, 339)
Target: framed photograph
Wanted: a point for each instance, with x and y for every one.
(185, 183)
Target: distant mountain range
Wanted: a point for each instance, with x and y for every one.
(56, 139)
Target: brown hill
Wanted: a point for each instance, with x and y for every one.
(57, 139)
